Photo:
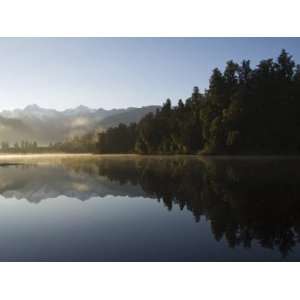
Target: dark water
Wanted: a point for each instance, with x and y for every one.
(151, 209)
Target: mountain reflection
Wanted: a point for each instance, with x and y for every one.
(244, 200)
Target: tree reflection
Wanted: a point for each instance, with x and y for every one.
(245, 201)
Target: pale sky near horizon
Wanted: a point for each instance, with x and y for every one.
(110, 73)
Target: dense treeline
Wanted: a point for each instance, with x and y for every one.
(22, 147)
(78, 144)
(119, 139)
(244, 111)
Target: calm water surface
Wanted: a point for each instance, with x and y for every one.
(150, 209)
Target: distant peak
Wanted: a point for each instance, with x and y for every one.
(79, 109)
(82, 107)
(32, 107)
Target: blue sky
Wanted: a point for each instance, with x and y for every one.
(119, 72)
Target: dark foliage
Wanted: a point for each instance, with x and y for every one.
(119, 139)
(244, 111)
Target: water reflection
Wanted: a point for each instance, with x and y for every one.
(244, 201)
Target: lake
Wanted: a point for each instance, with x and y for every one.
(135, 208)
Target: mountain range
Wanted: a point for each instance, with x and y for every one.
(34, 123)
(51, 181)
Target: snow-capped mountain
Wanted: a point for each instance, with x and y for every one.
(36, 183)
(49, 125)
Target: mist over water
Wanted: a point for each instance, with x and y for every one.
(134, 208)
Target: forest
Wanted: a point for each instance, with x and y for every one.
(85, 143)
(245, 110)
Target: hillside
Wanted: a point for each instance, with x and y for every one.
(49, 125)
